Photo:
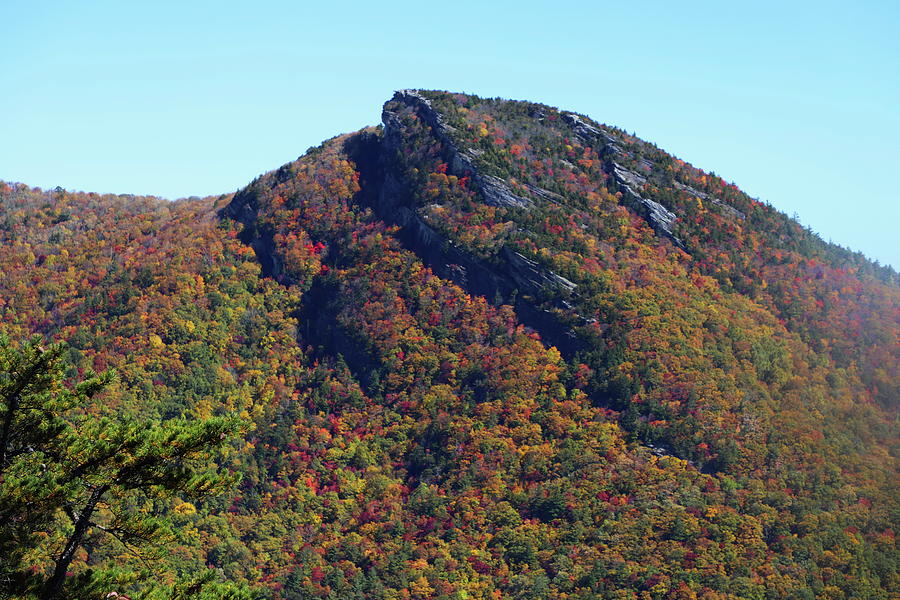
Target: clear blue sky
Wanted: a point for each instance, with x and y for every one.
(796, 102)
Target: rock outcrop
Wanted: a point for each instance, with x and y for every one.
(726, 208)
(661, 219)
(494, 190)
(510, 277)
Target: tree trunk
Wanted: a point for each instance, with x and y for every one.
(12, 407)
(53, 587)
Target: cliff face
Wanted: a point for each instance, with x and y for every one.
(395, 199)
(508, 277)
(496, 192)
(509, 274)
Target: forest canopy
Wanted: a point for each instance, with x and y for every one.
(488, 349)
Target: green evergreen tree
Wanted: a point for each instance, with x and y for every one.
(66, 475)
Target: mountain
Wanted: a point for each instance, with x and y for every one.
(490, 349)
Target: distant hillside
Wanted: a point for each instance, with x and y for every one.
(490, 349)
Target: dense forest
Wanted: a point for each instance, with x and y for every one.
(488, 349)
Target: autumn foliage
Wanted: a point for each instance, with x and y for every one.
(722, 428)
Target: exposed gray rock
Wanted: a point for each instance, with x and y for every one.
(545, 194)
(527, 275)
(726, 208)
(414, 97)
(497, 193)
(658, 216)
(611, 150)
(585, 132)
(538, 115)
(645, 163)
(508, 276)
(629, 177)
(494, 190)
(531, 277)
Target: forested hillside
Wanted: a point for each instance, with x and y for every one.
(488, 349)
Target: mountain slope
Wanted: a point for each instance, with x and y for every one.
(493, 349)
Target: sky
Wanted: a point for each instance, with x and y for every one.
(798, 103)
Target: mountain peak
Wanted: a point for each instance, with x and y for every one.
(492, 349)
